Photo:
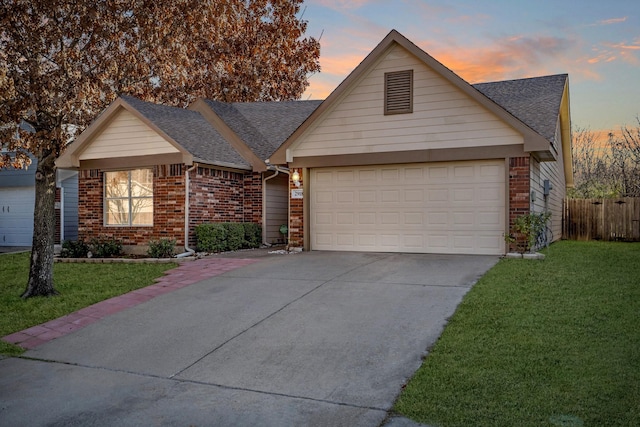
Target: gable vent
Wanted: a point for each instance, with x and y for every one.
(398, 92)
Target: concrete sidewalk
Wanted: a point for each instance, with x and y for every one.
(320, 338)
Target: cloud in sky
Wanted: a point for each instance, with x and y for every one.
(342, 5)
(510, 57)
(610, 52)
(611, 21)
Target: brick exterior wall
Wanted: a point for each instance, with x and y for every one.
(519, 191)
(296, 217)
(253, 197)
(215, 196)
(168, 208)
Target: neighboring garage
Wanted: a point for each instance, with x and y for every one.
(17, 201)
(448, 207)
(16, 216)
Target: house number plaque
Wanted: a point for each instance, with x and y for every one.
(296, 193)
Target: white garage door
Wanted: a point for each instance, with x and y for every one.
(456, 207)
(16, 216)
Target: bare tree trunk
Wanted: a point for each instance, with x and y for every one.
(41, 269)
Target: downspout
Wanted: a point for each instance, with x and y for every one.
(188, 250)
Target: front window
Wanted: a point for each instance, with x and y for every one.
(128, 197)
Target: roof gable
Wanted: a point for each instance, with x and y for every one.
(533, 141)
(160, 130)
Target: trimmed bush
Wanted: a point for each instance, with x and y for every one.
(162, 248)
(235, 235)
(252, 235)
(227, 236)
(74, 249)
(211, 237)
(103, 247)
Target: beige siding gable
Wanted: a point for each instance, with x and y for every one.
(126, 136)
(443, 116)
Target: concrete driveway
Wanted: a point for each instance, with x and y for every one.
(318, 339)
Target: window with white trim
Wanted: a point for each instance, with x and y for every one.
(398, 92)
(128, 198)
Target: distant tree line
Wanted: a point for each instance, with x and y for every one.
(604, 169)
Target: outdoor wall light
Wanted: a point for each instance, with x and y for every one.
(295, 177)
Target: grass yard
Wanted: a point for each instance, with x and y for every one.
(539, 343)
(80, 285)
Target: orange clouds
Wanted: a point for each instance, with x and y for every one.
(609, 52)
(318, 89)
(511, 57)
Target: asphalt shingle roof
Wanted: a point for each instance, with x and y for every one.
(192, 131)
(534, 101)
(264, 126)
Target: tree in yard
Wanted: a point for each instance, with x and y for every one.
(591, 166)
(625, 159)
(608, 168)
(64, 61)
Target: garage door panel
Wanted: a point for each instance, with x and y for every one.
(438, 207)
(16, 216)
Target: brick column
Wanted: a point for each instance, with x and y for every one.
(253, 198)
(296, 216)
(519, 190)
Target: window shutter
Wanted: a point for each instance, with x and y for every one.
(398, 92)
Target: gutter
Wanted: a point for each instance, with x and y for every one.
(188, 250)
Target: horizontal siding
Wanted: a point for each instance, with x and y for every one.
(553, 203)
(443, 117)
(277, 208)
(126, 136)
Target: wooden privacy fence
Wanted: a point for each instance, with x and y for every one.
(602, 219)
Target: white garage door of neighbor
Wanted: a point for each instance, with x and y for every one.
(16, 216)
(456, 208)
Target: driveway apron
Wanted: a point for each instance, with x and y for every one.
(319, 338)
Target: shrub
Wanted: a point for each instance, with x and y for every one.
(227, 236)
(103, 247)
(252, 235)
(235, 236)
(74, 249)
(528, 227)
(162, 248)
(211, 237)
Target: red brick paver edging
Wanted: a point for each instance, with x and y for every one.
(186, 274)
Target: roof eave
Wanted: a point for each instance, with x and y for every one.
(224, 165)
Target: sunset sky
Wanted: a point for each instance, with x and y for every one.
(596, 42)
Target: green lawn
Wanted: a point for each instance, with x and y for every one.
(80, 285)
(539, 343)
